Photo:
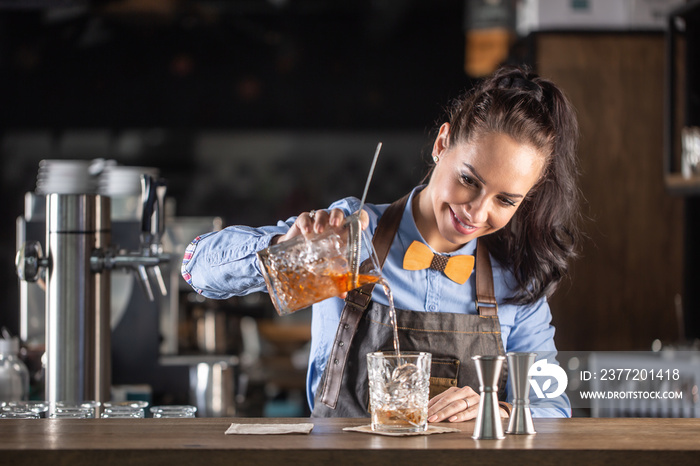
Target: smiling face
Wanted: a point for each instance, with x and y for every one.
(475, 189)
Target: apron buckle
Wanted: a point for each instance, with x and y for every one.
(360, 297)
(486, 309)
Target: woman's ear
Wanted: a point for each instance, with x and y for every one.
(441, 141)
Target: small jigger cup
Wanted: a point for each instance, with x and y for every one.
(488, 420)
(520, 418)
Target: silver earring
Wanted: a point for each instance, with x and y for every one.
(435, 158)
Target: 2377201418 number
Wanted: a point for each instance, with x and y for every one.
(639, 374)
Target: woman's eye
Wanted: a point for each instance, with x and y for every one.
(507, 202)
(468, 180)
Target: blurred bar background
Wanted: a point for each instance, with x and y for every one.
(255, 110)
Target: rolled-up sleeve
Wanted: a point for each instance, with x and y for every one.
(224, 263)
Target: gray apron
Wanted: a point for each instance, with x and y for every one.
(365, 327)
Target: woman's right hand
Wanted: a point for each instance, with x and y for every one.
(454, 404)
(317, 221)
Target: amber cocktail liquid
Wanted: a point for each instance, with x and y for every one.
(307, 270)
(399, 388)
(401, 419)
(303, 288)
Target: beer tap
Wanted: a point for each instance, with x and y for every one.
(152, 227)
(78, 262)
(144, 262)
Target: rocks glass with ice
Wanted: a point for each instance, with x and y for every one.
(399, 389)
(310, 268)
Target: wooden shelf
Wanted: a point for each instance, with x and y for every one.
(678, 184)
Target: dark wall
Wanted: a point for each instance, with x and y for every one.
(234, 65)
(150, 87)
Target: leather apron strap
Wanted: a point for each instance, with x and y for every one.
(486, 304)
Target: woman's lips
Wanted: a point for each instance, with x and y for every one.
(460, 226)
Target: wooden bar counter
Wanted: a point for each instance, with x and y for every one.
(201, 441)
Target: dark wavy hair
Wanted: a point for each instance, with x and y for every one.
(541, 238)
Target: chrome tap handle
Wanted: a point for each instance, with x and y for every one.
(152, 228)
(142, 279)
(148, 204)
(145, 274)
(145, 267)
(29, 261)
(153, 212)
(161, 190)
(156, 275)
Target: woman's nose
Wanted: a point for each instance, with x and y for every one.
(477, 210)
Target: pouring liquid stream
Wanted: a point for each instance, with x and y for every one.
(392, 314)
(400, 412)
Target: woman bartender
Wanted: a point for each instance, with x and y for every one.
(503, 190)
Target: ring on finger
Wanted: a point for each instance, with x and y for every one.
(312, 214)
(467, 402)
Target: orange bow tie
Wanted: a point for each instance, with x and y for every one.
(457, 268)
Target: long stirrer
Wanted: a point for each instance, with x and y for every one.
(358, 242)
(369, 177)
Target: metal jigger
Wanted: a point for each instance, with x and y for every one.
(520, 418)
(488, 421)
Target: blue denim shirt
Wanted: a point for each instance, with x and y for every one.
(223, 264)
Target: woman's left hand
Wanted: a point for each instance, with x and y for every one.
(456, 405)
